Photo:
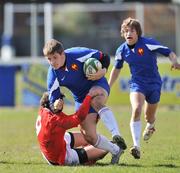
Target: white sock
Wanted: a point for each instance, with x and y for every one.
(104, 144)
(109, 120)
(135, 127)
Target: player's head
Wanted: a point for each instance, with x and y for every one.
(54, 52)
(131, 23)
(44, 101)
(53, 46)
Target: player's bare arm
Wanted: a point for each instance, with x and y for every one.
(113, 76)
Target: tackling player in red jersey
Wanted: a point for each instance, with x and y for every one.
(58, 146)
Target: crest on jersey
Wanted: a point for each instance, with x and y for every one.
(74, 67)
(140, 51)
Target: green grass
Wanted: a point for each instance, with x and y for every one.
(19, 151)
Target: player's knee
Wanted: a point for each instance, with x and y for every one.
(136, 113)
(97, 103)
(100, 91)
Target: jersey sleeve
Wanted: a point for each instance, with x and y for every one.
(96, 54)
(154, 45)
(75, 119)
(118, 63)
(53, 86)
(68, 121)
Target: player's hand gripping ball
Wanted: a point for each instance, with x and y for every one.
(91, 66)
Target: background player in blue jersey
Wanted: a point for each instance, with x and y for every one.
(66, 69)
(145, 84)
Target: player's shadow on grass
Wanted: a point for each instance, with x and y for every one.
(21, 163)
(120, 164)
(94, 165)
(130, 165)
(134, 165)
(167, 165)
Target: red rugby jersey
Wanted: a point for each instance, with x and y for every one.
(50, 129)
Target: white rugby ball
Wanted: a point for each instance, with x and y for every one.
(91, 66)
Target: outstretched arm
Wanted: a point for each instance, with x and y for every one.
(173, 59)
(75, 119)
(113, 76)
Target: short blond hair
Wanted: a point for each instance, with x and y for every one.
(53, 46)
(132, 23)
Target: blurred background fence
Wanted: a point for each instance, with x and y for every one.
(25, 27)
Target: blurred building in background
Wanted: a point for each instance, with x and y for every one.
(94, 25)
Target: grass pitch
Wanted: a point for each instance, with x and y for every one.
(19, 151)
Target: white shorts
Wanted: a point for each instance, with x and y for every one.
(72, 157)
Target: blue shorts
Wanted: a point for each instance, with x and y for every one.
(152, 95)
(104, 84)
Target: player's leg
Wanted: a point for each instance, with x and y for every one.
(150, 110)
(99, 141)
(89, 155)
(77, 139)
(76, 156)
(94, 154)
(137, 101)
(107, 116)
(88, 128)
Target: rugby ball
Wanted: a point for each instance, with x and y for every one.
(91, 66)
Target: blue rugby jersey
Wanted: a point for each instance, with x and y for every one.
(142, 61)
(72, 76)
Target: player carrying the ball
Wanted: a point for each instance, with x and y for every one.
(66, 69)
(145, 84)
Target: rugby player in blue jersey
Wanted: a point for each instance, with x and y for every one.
(66, 69)
(145, 85)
